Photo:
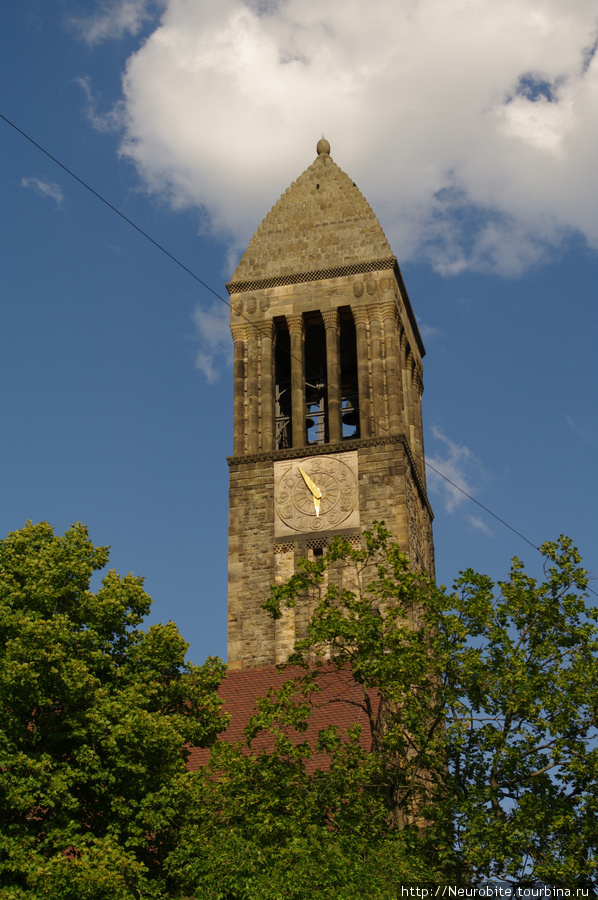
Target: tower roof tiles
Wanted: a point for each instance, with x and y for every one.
(322, 221)
(340, 703)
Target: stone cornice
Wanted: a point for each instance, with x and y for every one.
(372, 265)
(341, 447)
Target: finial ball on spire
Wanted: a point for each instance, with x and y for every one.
(323, 147)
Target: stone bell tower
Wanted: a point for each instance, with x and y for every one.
(327, 401)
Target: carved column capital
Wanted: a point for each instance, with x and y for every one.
(388, 309)
(361, 314)
(296, 325)
(239, 332)
(268, 330)
(330, 318)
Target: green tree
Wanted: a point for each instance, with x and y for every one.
(96, 716)
(260, 825)
(482, 704)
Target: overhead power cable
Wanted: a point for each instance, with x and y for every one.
(133, 225)
(114, 209)
(481, 505)
(226, 302)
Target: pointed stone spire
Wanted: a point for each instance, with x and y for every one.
(322, 221)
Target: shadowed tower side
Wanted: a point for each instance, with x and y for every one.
(327, 401)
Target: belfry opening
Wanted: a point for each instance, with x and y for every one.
(331, 399)
(328, 382)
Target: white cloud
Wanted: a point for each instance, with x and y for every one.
(450, 471)
(428, 332)
(114, 19)
(206, 363)
(215, 341)
(104, 122)
(44, 188)
(479, 524)
(469, 125)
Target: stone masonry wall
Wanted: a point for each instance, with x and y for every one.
(251, 563)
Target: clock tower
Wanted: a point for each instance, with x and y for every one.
(327, 401)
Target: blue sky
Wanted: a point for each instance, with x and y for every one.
(471, 129)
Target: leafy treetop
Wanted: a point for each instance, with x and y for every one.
(97, 715)
(487, 725)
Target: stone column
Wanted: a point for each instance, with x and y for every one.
(268, 343)
(297, 335)
(239, 338)
(419, 426)
(394, 392)
(360, 317)
(333, 374)
(404, 381)
(253, 390)
(378, 404)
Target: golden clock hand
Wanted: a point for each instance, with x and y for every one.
(315, 490)
(317, 493)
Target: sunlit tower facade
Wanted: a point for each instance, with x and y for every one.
(328, 384)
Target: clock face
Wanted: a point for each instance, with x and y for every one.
(323, 501)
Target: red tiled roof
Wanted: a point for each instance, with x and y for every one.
(340, 703)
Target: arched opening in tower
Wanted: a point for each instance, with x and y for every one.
(349, 389)
(318, 392)
(316, 381)
(282, 377)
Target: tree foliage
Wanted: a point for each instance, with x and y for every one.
(96, 715)
(262, 826)
(481, 702)
(486, 730)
